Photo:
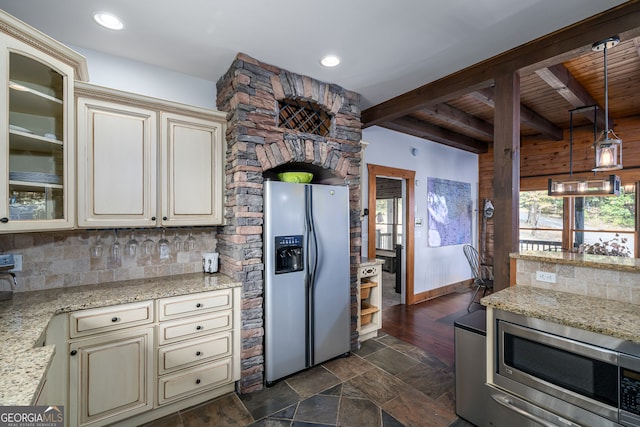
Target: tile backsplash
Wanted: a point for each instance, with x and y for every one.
(73, 258)
(610, 284)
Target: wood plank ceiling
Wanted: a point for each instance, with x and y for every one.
(559, 82)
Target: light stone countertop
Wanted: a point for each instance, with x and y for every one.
(608, 317)
(367, 262)
(581, 260)
(24, 319)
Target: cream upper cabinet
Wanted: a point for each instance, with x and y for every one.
(37, 129)
(192, 170)
(117, 164)
(145, 162)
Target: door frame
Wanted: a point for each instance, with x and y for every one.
(409, 177)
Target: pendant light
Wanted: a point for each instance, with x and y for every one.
(608, 147)
(580, 187)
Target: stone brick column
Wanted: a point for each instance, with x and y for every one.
(249, 93)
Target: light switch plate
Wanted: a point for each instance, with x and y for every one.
(543, 276)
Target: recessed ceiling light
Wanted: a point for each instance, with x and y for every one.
(330, 61)
(108, 20)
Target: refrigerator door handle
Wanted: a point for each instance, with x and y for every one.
(312, 266)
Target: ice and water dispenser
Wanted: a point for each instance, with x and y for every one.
(289, 254)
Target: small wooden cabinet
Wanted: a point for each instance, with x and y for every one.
(144, 162)
(37, 129)
(369, 299)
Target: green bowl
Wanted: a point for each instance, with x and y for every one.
(297, 177)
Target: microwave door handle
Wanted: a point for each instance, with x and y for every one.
(505, 401)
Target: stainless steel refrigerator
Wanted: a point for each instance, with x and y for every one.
(307, 292)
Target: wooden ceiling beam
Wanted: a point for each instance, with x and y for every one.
(431, 132)
(460, 119)
(527, 115)
(539, 53)
(562, 81)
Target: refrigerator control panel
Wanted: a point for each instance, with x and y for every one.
(289, 254)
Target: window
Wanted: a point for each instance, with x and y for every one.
(388, 223)
(607, 221)
(541, 221)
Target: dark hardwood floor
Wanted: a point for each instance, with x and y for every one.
(428, 325)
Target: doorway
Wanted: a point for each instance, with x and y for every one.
(389, 237)
(388, 233)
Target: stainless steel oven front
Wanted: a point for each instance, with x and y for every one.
(584, 377)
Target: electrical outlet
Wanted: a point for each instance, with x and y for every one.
(543, 276)
(17, 262)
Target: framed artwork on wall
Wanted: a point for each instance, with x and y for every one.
(450, 212)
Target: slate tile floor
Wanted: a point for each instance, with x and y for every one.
(387, 383)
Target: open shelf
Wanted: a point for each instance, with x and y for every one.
(369, 299)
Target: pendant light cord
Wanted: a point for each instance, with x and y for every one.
(606, 93)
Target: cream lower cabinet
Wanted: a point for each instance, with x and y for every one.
(144, 162)
(111, 377)
(196, 344)
(132, 363)
(110, 363)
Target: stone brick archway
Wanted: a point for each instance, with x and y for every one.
(249, 93)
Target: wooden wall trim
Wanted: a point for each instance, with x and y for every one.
(409, 176)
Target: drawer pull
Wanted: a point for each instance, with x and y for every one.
(114, 319)
(198, 328)
(198, 353)
(73, 352)
(198, 381)
(199, 305)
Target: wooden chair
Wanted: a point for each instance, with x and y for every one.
(482, 273)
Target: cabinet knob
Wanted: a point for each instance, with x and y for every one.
(199, 305)
(198, 381)
(73, 352)
(164, 218)
(198, 328)
(4, 220)
(114, 319)
(198, 353)
(153, 218)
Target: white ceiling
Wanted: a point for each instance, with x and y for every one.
(387, 47)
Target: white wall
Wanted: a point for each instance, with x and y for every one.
(138, 77)
(439, 266)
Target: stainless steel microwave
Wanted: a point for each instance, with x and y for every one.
(584, 377)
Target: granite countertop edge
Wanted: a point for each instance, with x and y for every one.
(24, 359)
(613, 318)
(581, 260)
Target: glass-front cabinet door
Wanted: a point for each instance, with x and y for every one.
(37, 143)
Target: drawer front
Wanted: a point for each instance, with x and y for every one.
(187, 305)
(193, 327)
(193, 381)
(98, 320)
(193, 352)
(369, 271)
